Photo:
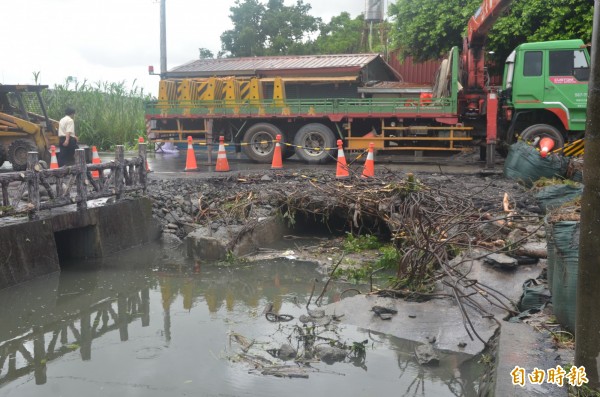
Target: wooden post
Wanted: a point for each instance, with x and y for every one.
(80, 179)
(142, 148)
(59, 186)
(122, 316)
(5, 196)
(119, 171)
(33, 183)
(39, 354)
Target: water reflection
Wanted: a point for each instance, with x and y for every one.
(133, 325)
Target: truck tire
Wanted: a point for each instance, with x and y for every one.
(259, 142)
(311, 140)
(17, 153)
(543, 131)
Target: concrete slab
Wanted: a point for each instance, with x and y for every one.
(442, 318)
(520, 345)
(507, 282)
(213, 245)
(418, 321)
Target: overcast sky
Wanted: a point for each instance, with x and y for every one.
(115, 40)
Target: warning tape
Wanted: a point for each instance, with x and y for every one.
(315, 148)
(573, 149)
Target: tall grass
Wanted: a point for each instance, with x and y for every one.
(107, 114)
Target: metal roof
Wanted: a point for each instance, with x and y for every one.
(338, 63)
(395, 87)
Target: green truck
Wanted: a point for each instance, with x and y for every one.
(251, 101)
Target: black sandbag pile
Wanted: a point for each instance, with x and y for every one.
(555, 195)
(564, 230)
(525, 164)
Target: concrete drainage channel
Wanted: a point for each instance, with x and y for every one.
(36, 248)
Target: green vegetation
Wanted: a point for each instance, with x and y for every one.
(276, 29)
(563, 339)
(268, 29)
(543, 182)
(356, 272)
(360, 243)
(427, 29)
(486, 359)
(355, 275)
(389, 259)
(107, 114)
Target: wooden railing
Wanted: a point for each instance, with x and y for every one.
(72, 184)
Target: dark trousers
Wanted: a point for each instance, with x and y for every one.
(66, 156)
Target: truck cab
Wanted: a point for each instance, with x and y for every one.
(545, 90)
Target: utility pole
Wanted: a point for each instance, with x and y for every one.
(163, 39)
(587, 330)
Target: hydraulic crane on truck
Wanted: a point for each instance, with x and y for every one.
(543, 93)
(476, 91)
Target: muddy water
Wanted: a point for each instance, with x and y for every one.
(144, 324)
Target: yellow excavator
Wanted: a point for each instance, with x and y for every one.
(25, 125)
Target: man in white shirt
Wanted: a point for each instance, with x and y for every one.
(67, 138)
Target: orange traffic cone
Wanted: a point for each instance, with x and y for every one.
(277, 164)
(53, 160)
(190, 161)
(222, 164)
(141, 140)
(369, 170)
(342, 168)
(546, 144)
(95, 160)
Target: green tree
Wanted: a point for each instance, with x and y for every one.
(427, 29)
(246, 37)
(342, 35)
(287, 28)
(274, 29)
(541, 20)
(205, 53)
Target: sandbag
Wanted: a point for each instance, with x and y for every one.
(566, 269)
(535, 295)
(553, 196)
(525, 164)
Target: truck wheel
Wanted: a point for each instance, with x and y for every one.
(311, 141)
(17, 153)
(259, 142)
(543, 131)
